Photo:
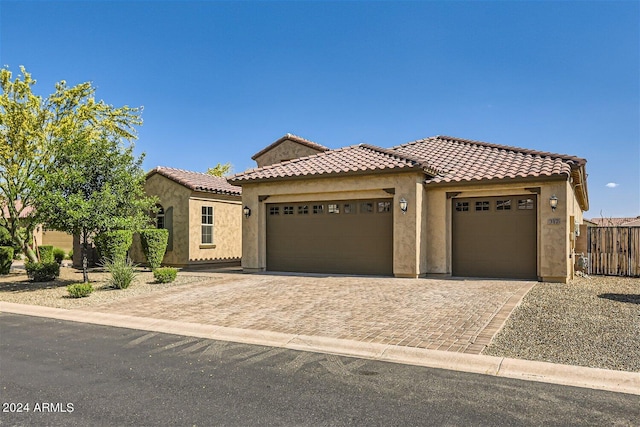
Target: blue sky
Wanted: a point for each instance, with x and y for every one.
(221, 80)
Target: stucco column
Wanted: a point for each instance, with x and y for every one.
(553, 226)
(251, 229)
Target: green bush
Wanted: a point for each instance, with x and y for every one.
(46, 254)
(5, 240)
(114, 245)
(70, 256)
(42, 271)
(80, 290)
(122, 272)
(58, 255)
(6, 258)
(154, 245)
(165, 274)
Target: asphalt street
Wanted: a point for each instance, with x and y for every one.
(60, 373)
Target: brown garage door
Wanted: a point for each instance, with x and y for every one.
(495, 237)
(352, 237)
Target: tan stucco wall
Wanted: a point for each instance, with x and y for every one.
(58, 239)
(227, 229)
(286, 150)
(172, 196)
(406, 228)
(186, 249)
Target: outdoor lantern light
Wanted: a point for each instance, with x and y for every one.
(403, 205)
(553, 202)
(247, 212)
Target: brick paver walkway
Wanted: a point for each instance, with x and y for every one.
(452, 315)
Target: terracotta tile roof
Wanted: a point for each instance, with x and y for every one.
(616, 222)
(28, 210)
(467, 160)
(197, 181)
(354, 159)
(443, 158)
(293, 138)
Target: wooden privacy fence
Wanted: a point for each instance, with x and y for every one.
(614, 251)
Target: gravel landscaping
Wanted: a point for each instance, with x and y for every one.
(592, 321)
(16, 287)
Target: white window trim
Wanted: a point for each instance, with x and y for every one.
(211, 226)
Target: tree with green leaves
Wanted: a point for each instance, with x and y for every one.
(221, 170)
(95, 185)
(32, 130)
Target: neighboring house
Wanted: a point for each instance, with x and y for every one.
(41, 235)
(203, 214)
(435, 206)
(287, 148)
(616, 222)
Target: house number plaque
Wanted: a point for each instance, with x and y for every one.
(553, 221)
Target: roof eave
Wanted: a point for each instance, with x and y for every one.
(408, 169)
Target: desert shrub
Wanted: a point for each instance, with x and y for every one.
(58, 255)
(154, 245)
(42, 271)
(70, 255)
(122, 272)
(6, 258)
(80, 290)
(113, 245)
(165, 274)
(46, 254)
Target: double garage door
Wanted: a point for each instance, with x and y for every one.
(495, 237)
(346, 236)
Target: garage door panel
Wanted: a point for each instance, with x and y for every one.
(492, 242)
(355, 243)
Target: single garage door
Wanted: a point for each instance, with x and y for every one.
(351, 237)
(495, 237)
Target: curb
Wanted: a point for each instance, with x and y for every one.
(569, 375)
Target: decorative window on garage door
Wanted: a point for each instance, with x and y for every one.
(525, 204)
(503, 205)
(462, 206)
(384, 207)
(333, 208)
(482, 206)
(366, 207)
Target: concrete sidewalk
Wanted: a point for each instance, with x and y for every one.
(616, 381)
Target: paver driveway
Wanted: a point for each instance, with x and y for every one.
(452, 315)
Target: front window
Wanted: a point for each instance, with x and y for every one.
(207, 225)
(160, 217)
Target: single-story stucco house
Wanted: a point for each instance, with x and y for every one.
(203, 215)
(435, 206)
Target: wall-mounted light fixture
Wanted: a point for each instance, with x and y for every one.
(246, 211)
(553, 202)
(404, 205)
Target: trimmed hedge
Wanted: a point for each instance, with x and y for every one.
(58, 255)
(165, 274)
(46, 254)
(154, 245)
(42, 271)
(6, 258)
(114, 245)
(80, 290)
